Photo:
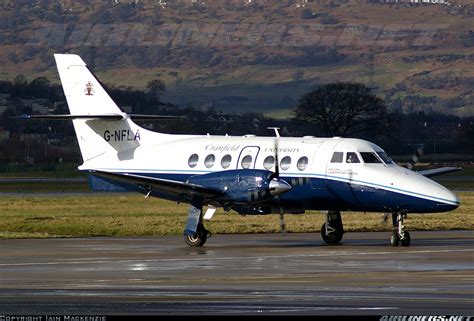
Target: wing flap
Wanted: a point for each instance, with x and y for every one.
(160, 184)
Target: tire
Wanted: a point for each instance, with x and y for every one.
(406, 239)
(198, 239)
(334, 237)
(394, 238)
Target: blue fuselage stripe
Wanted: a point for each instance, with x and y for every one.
(182, 175)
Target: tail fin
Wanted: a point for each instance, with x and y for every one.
(84, 93)
(101, 133)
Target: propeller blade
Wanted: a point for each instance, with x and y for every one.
(415, 158)
(278, 186)
(277, 163)
(282, 218)
(385, 218)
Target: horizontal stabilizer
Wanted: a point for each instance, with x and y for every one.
(439, 171)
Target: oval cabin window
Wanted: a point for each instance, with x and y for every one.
(302, 163)
(193, 160)
(285, 163)
(268, 162)
(209, 161)
(246, 162)
(225, 161)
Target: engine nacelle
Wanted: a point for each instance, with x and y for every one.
(242, 186)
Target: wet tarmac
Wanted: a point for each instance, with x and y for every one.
(240, 274)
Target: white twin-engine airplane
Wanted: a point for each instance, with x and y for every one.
(250, 175)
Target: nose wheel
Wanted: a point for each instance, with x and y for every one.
(332, 231)
(399, 235)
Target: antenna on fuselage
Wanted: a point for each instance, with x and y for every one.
(277, 134)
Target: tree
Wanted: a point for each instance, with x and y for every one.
(342, 109)
(19, 86)
(155, 88)
(40, 87)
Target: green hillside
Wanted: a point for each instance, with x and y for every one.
(253, 55)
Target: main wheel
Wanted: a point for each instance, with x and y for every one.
(333, 237)
(198, 239)
(406, 239)
(394, 238)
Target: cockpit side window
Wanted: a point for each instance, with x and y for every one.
(370, 158)
(337, 157)
(385, 157)
(352, 157)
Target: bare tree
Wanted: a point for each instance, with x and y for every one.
(156, 87)
(342, 109)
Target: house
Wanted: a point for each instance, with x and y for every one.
(4, 134)
(4, 108)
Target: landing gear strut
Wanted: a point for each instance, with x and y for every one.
(195, 234)
(332, 231)
(399, 235)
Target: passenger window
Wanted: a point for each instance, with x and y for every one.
(225, 161)
(246, 161)
(268, 162)
(352, 158)
(370, 158)
(302, 163)
(285, 163)
(337, 157)
(209, 161)
(193, 160)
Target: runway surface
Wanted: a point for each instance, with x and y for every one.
(240, 274)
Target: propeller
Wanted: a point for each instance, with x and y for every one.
(385, 218)
(415, 158)
(277, 180)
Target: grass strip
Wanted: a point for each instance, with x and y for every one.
(132, 215)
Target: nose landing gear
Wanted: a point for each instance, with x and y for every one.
(332, 231)
(399, 235)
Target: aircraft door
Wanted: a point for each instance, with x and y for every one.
(321, 194)
(247, 158)
(319, 164)
(341, 175)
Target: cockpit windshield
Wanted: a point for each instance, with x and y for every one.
(385, 157)
(370, 158)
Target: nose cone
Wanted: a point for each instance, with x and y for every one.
(450, 200)
(278, 186)
(445, 200)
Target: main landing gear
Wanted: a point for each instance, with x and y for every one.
(332, 231)
(199, 238)
(195, 234)
(399, 236)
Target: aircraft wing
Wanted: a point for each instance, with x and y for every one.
(439, 171)
(161, 185)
